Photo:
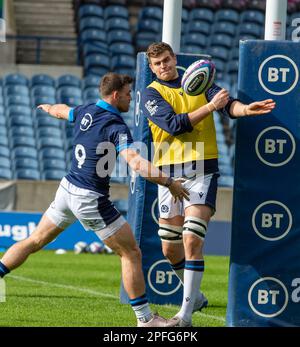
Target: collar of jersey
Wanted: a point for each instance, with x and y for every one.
(108, 107)
(171, 84)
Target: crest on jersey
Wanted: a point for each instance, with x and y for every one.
(86, 122)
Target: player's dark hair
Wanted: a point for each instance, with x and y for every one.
(112, 82)
(157, 48)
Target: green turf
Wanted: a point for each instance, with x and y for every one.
(83, 290)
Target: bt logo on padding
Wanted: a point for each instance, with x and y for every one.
(162, 280)
(86, 122)
(268, 297)
(275, 146)
(278, 74)
(272, 220)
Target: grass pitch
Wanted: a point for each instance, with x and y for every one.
(82, 290)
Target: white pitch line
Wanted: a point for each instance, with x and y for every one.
(65, 286)
(94, 292)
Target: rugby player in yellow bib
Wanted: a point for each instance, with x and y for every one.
(185, 146)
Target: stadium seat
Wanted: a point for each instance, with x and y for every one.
(96, 47)
(224, 28)
(5, 163)
(116, 23)
(122, 61)
(97, 60)
(97, 71)
(16, 131)
(25, 152)
(39, 100)
(252, 29)
(18, 110)
(227, 15)
(91, 23)
(152, 12)
(54, 153)
(71, 101)
(195, 39)
(126, 71)
(218, 52)
(18, 141)
(1, 110)
(20, 120)
(69, 91)
(121, 48)
(48, 121)
(204, 14)
(3, 130)
(16, 90)
(4, 152)
(68, 80)
(2, 121)
(42, 79)
(90, 81)
(3, 141)
(52, 142)
(27, 174)
(252, 16)
(149, 25)
(49, 132)
(54, 174)
(43, 91)
(115, 11)
(93, 36)
(5, 174)
(221, 40)
(90, 10)
(198, 26)
(15, 78)
(56, 164)
(26, 163)
(233, 67)
(193, 49)
(225, 181)
(91, 93)
(120, 36)
(17, 100)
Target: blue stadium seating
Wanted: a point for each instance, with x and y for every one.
(5, 163)
(91, 23)
(15, 79)
(49, 132)
(116, 23)
(3, 130)
(68, 81)
(42, 79)
(20, 120)
(17, 100)
(39, 100)
(25, 152)
(149, 25)
(93, 35)
(2, 120)
(91, 93)
(197, 26)
(16, 90)
(48, 121)
(91, 81)
(97, 47)
(115, 11)
(52, 142)
(43, 91)
(27, 174)
(22, 131)
(4, 152)
(122, 61)
(18, 110)
(97, 60)
(121, 48)
(56, 164)
(204, 14)
(227, 15)
(90, 10)
(54, 174)
(54, 153)
(5, 174)
(152, 12)
(252, 16)
(3, 141)
(224, 28)
(26, 163)
(119, 36)
(18, 141)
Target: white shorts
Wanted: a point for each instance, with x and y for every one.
(202, 189)
(94, 210)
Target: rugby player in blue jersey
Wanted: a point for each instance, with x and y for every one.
(84, 193)
(179, 123)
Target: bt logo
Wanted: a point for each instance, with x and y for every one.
(278, 74)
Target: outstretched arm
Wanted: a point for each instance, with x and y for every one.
(57, 110)
(238, 109)
(153, 174)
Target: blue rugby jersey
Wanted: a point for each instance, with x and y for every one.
(95, 125)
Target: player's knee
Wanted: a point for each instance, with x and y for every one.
(170, 233)
(194, 230)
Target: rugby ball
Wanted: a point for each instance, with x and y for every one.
(198, 77)
(80, 247)
(96, 248)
